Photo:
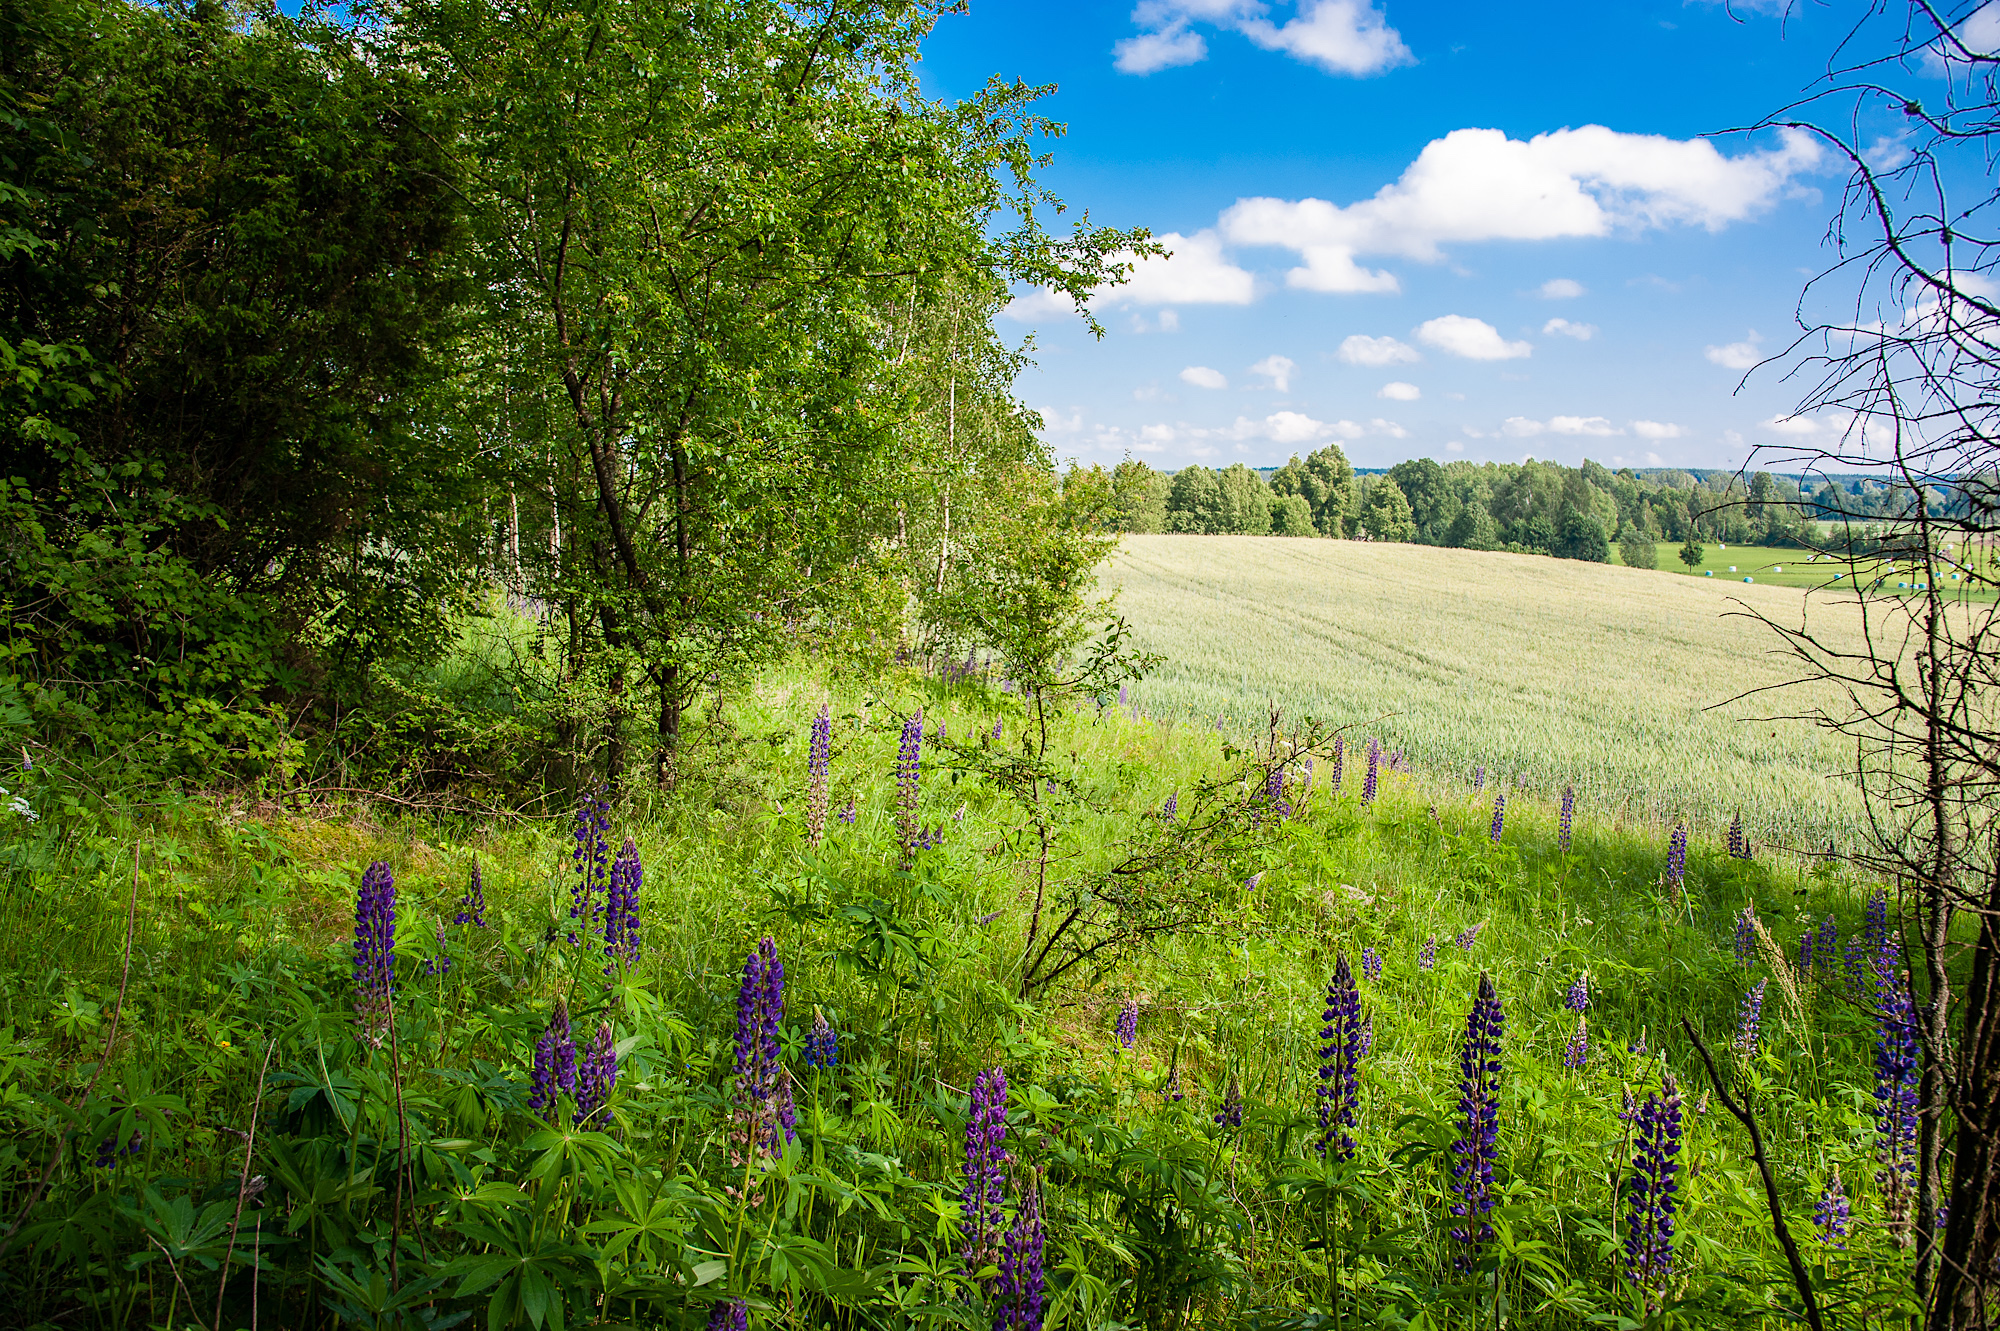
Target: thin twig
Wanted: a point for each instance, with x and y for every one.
(1799, 1278)
(243, 1181)
(175, 1268)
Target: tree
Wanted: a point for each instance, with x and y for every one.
(1385, 513)
(1194, 502)
(1291, 516)
(1138, 498)
(1637, 549)
(1692, 552)
(1326, 481)
(1433, 507)
(1581, 536)
(1244, 507)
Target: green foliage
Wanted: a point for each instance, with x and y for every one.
(1691, 552)
(1582, 537)
(1638, 549)
(1385, 513)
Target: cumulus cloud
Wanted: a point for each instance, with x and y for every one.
(1792, 425)
(1479, 185)
(1399, 392)
(1338, 36)
(1474, 339)
(1037, 305)
(1560, 288)
(1564, 328)
(1454, 447)
(1278, 369)
(1203, 377)
(1734, 355)
(1375, 352)
(1656, 430)
(1192, 272)
(1590, 425)
(1520, 427)
(1654, 460)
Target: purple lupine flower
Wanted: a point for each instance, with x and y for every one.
(1305, 782)
(1806, 955)
(729, 1315)
(441, 963)
(1750, 1020)
(762, 1099)
(847, 814)
(1469, 937)
(1339, 762)
(1739, 840)
(1830, 1216)
(1339, 1063)
(596, 1078)
(1171, 809)
(1653, 1193)
(1231, 1113)
(472, 906)
(1478, 1142)
(1478, 778)
(985, 1170)
(996, 727)
(554, 1071)
(621, 908)
(1371, 964)
(822, 1043)
(1869, 950)
(1746, 937)
(1427, 954)
(375, 950)
(1369, 782)
(1895, 1095)
(909, 758)
(1578, 997)
(1568, 819)
(1576, 1051)
(592, 860)
(1123, 697)
(1274, 791)
(1172, 1093)
(819, 753)
(1826, 946)
(1128, 1023)
(1250, 883)
(1499, 814)
(1677, 857)
(1019, 1293)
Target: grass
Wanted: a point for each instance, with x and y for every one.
(1771, 566)
(1550, 671)
(1156, 1216)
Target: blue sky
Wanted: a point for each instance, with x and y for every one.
(1422, 229)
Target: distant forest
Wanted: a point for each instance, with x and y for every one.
(1529, 507)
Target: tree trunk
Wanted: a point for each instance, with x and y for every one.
(1967, 1288)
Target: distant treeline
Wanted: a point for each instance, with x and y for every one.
(1530, 507)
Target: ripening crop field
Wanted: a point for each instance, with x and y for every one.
(1546, 672)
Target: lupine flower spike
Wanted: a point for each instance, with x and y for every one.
(909, 757)
(761, 1099)
(1339, 763)
(375, 951)
(1427, 954)
(1371, 964)
(985, 1170)
(1020, 1292)
(1478, 1142)
(1653, 1194)
(1578, 997)
(1171, 808)
(818, 766)
(554, 1071)
(1568, 820)
(1677, 857)
(847, 814)
(621, 908)
(1478, 778)
(1830, 1217)
(1369, 781)
(1466, 939)
(1746, 937)
(1896, 1099)
(596, 1077)
(1128, 1023)
(822, 1043)
(1231, 1113)
(472, 906)
(1339, 1063)
(729, 1315)
(1499, 814)
(1576, 1051)
(592, 860)
(1749, 1020)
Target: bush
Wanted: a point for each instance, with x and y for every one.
(1638, 550)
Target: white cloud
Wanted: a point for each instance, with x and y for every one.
(1520, 427)
(1055, 422)
(1376, 352)
(1656, 430)
(1734, 356)
(1169, 322)
(1203, 377)
(1454, 447)
(1338, 36)
(1389, 428)
(1792, 425)
(1291, 427)
(1654, 460)
(1193, 273)
(1564, 328)
(1399, 392)
(1150, 52)
(1479, 185)
(1474, 339)
(1560, 288)
(1278, 369)
(1590, 425)
(1038, 305)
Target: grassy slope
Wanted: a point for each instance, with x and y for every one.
(1549, 669)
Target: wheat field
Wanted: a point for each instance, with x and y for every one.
(1544, 671)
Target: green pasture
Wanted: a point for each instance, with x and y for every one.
(1775, 567)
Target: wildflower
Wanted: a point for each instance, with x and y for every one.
(472, 906)
(909, 757)
(1478, 778)
(596, 1077)
(1746, 937)
(1128, 1023)
(1371, 964)
(1019, 1293)
(1870, 950)
(985, 1169)
(729, 1315)
(1427, 954)
(554, 1072)
(1250, 883)
(1231, 1113)
(1568, 819)
(996, 727)
(1806, 954)
(1750, 1019)
(1576, 1051)
(1499, 814)
(822, 1043)
(1339, 1062)
(818, 765)
(762, 1101)
(1305, 781)
(1339, 761)
(375, 950)
(1469, 937)
(592, 859)
(1739, 840)
(847, 813)
(1172, 1092)
(1369, 782)
(1896, 1096)
(1677, 856)
(621, 907)
(1826, 945)
(441, 963)
(1831, 1215)
(1653, 1194)
(1123, 698)
(1479, 1134)
(1171, 808)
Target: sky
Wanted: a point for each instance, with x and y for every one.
(1424, 229)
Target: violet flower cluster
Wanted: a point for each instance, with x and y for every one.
(822, 1043)
(1469, 937)
(1749, 1020)
(1577, 998)
(596, 1078)
(1128, 1023)
(1653, 1193)
(818, 768)
(1371, 964)
(847, 814)
(375, 951)
(621, 908)
(1373, 778)
(472, 906)
(1832, 1213)
(1478, 1144)
(1171, 809)
(729, 1315)
(1746, 937)
(1339, 1063)
(1499, 815)
(1020, 1292)
(1567, 820)
(909, 758)
(762, 1097)
(1339, 763)
(553, 1074)
(986, 1159)
(1427, 953)
(1576, 1050)
(1739, 840)
(592, 861)
(1478, 778)
(1677, 859)
(1895, 1094)
(1231, 1113)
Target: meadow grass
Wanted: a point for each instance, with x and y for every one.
(1157, 1216)
(1553, 672)
(1775, 566)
